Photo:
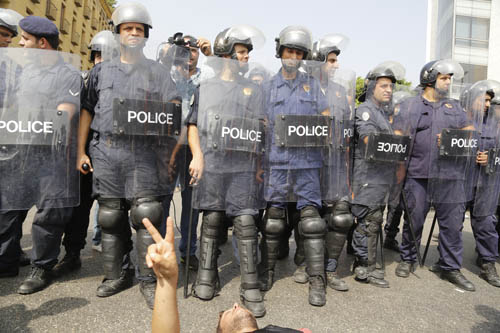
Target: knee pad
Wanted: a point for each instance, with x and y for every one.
(146, 207)
(341, 219)
(275, 223)
(244, 226)
(211, 223)
(311, 224)
(112, 213)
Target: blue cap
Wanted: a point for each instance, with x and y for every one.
(39, 26)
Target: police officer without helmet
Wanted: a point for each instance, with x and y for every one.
(46, 83)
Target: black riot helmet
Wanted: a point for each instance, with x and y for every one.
(388, 69)
(224, 43)
(103, 41)
(294, 37)
(431, 70)
(469, 96)
(332, 43)
(246, 35)
(9, 19)
(132, 12)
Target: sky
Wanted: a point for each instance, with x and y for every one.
(379, 30)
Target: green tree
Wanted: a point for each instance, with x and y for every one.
(111, 3)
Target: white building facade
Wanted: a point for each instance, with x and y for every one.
(467, 31)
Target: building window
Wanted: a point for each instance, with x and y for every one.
(472, 74)
(472, 31)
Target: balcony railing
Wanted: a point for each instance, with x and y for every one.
(94, 23)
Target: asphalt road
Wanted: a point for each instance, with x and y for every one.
(423, 302)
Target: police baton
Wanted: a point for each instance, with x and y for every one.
(429, 238)
(188, 253)
(410, 225)
(380, 237)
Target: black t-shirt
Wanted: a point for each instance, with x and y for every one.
(276, 329)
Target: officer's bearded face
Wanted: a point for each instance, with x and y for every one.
(291, 58)
(443, 84)
(132, 35)
(382, 92)
(5, 37)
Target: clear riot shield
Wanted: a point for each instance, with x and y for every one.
(453, 141)
(230, 124)
(485, 176)
(299, 133)
(382, 141)
(138, 123)
(40, 104)
(336, 171)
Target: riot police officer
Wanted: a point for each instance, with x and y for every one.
(483, 181)
(130, 150)
(9, 19)
(229, 104)
(435, 172)
(11, 254)
(292, 171)
(395, 210)
(338, 86)
(373, 177)
(47, 87)
(76, 231)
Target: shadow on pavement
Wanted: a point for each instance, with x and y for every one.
(491, 315)
(17, 318)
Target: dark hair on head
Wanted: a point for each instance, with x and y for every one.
(52, 40)
(245, 320)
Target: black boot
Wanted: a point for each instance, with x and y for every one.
(148, 290)
(274, 226)
(246, 235)
(404, 269)
(376, 277)
(38, 279)
(252, 299)
(317, 290)
(300, 275)
(335, 282)
(489, 273)
(207, 283)
(71, 262)
(457, 278)
(110, 287)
